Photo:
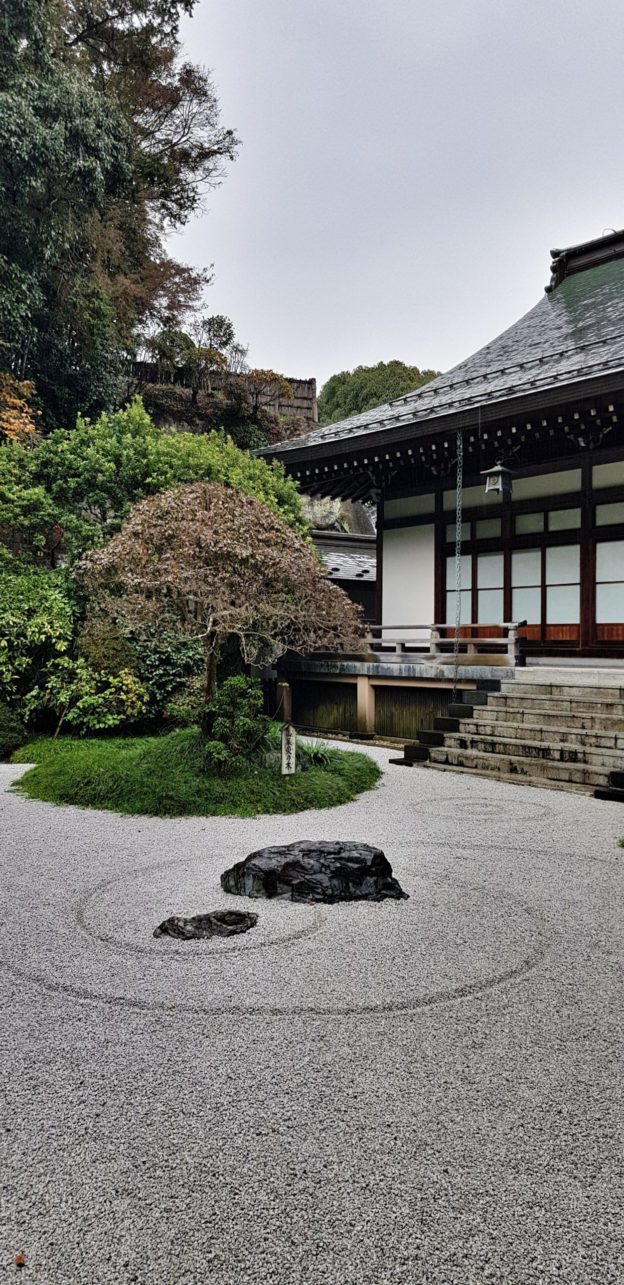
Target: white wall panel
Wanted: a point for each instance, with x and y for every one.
(611, 474)
(546, 484)
(408, 576)
(409, 506)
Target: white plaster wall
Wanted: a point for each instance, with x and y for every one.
(408, 577)
(538, 487)
(546, 484)
(611, 474)
(409, 505)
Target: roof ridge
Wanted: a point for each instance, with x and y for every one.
(571, 335)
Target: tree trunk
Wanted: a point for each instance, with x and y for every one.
(210, 685)
(59, 724)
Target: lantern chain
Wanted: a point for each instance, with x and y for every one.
(459, 498)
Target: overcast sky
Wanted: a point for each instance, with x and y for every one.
(406, 168)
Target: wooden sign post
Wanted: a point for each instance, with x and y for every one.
(289, 750)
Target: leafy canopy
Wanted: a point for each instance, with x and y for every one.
(253, 405)
(354, 391)
(65, 158)
(108, 139)
(225, 567)
(78, 486)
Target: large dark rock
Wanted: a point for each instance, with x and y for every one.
(315, 871)
(216, 923)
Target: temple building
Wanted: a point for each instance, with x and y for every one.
(542, 551)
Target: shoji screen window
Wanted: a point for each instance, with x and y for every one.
(610, 589)
(563, 595)
(490, 581)
(526, 582)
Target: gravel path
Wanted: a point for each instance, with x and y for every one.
(426, 1092)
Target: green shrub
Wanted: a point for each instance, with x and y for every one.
(87, 700)
(185, 709)
(308, 753)
(104, 645)
(313, 754)
(12, 732)
(239, 731)
(36, 625)
(165, 664)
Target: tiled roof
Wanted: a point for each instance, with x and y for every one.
(575, 333)
(350, 566)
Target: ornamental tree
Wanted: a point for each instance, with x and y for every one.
(222, 566)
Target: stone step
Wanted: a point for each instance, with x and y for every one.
(545, 717)
(474, 698)
(417, 753)
(460, 709)
(446, 724)
(554, 704)
(555, 733)
(431, 738)
(532, 782)
(513, 765)
(610, 793)
(541, 751)
(571, 691)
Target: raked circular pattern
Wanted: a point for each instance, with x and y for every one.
(452, 939)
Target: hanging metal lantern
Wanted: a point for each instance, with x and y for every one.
(498, 480)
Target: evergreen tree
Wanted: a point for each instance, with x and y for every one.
(354, 391)
(107, 140)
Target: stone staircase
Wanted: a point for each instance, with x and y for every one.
(559, 735)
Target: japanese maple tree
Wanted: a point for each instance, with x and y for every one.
(222, 565)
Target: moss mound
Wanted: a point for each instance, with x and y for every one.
(161, 776)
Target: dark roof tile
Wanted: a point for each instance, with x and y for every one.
(575, 332)
(350, 566)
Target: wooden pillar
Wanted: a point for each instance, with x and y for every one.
(439, 596)
(284, 694)
(365, 705)
(378, 617)
(507, 544)
(587, 628)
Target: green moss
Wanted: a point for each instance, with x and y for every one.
(161, 776)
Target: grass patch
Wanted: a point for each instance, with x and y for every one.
(160, 776)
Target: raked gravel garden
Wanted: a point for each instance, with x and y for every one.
(425, 1091)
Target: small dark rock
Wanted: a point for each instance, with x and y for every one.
(216, 923)
(315, 871)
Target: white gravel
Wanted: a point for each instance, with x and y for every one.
(426, 1092)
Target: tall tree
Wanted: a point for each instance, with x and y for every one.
(353, 391)
(107, 140)
(65, 153)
